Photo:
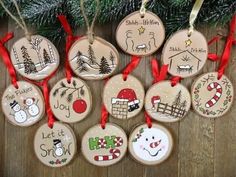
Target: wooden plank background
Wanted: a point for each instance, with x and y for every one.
(203, 147)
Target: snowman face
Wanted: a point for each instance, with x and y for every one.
(29, 101)
(152, 145)
(16, 108)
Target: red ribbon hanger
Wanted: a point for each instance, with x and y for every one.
(135, 60)
(6, 58)
(227, 50)
(44, 85)
(70, 39)
(104, 116)
(158, 75)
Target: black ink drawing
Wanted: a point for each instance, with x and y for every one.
(74, 89)
(91, 66)
(45, 57)
(185, 61)
(29, 110)
(173, 111)
(146, 45)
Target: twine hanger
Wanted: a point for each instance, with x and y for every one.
(193, 15)
(90, 28)
(21, 21)
(143, 9)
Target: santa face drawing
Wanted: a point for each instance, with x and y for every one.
(58, 147)
(150, 144)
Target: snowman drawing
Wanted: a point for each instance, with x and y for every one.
(58, 147)
(32, 107)
(19, 115)
(150, 144)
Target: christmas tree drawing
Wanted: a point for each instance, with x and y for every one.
(46, 57)
(92, 58)
(104, 66)
(112, 59)
(177, 101)
(80, 62)
(29, 65)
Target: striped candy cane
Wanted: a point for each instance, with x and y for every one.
(216, 97)
(115, 153)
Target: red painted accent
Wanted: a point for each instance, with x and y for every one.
(79, 106)
(155, 144)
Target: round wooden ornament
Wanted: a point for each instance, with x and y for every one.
(150, 146)
(123, 99)
(212, 97)
(166, 103)
(94, 61)
(35, 59)
(104, 147)
(70, 102)
(185, 54)
(140, 35)
(55, 147)
(23, 106)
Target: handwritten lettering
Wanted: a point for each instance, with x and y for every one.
(63, 107)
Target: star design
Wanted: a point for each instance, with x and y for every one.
(141, 30)
(188, 43)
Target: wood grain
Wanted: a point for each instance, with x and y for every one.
(202, 147)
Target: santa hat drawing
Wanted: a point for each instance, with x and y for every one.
(127, 95)
(155, 100)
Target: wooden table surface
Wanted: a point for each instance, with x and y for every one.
(203, 147)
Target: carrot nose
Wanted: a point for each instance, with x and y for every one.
(155, 144)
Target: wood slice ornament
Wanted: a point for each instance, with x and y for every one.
(104, 147)
(212, 97)
(93, 61)
(35, 59)
(150, 146)
(167, 103)
(185, 54)
(123, 99)
(55, 147)
(23, 106)
(140, 35)
(70, 102)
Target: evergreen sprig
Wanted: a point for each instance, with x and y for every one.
(41, 14)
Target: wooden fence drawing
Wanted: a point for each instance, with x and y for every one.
(173, 110)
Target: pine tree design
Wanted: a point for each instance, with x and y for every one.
(81, 64)
(46, 57)
(112, 59)
(92, 58)
(29, 65)
(104, 66)
(177, 100)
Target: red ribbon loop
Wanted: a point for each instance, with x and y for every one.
(148, 119)
(175, 80)
(70, 39)
(227, 50)
(6, 58)
(213, 57)
(104, 116)
(44, 84)
(135, 60)
(158, 76)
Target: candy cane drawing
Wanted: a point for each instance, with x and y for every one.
(216, 97)
(115, 153)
